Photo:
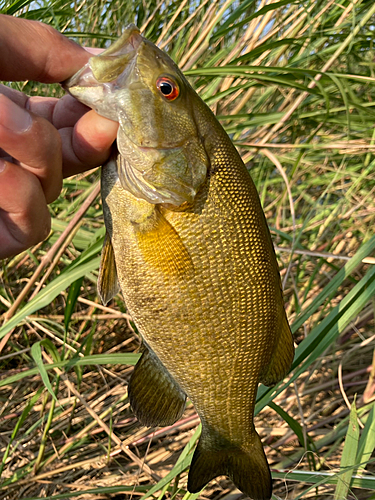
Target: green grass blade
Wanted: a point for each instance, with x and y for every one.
(177, 469)
(71, 301)
(15, 7)
(349, 455)
(322, 336)
(242, 7)
(319, 478)
(94, 359)
(19, 424)
(334, 284)
(293, 424)
(182, 463)
(93, 492)
(36, 353)
(366, 444)
(50, 292)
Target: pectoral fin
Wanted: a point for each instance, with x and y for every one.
(161, 246)
(282, 356)
(108, 285)
(155, 397)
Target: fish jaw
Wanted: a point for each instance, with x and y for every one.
(96, 84)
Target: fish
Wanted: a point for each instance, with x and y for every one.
(188, 244)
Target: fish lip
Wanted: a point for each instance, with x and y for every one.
(130, 38)
(135, 40)
(66, 84)
(71, 81)
(131, 35)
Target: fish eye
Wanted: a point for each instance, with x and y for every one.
(168, 88)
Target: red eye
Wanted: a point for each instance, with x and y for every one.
(168, 88)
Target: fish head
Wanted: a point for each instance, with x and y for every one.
(162, 155)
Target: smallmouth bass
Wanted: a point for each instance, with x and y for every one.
(188, 244)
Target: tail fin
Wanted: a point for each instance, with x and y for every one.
(248, 469)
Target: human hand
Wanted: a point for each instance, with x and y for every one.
(42, 140)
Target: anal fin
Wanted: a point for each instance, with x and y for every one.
(282, 356)
(108, 285)
(155, 397)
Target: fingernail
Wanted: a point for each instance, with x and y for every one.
(2, 165)
(13, 117)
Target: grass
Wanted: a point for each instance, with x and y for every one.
(293, 84)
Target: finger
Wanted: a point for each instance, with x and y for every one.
(88, 144)
(64, 112)
(67, 112)
(18, 97)
(34, 142)
(42, 106)
(26, 52)
(24, 216)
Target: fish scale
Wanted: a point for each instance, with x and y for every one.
(188, 242)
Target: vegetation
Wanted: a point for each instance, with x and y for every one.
(293, 84)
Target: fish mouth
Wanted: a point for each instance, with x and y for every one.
(107, 66)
